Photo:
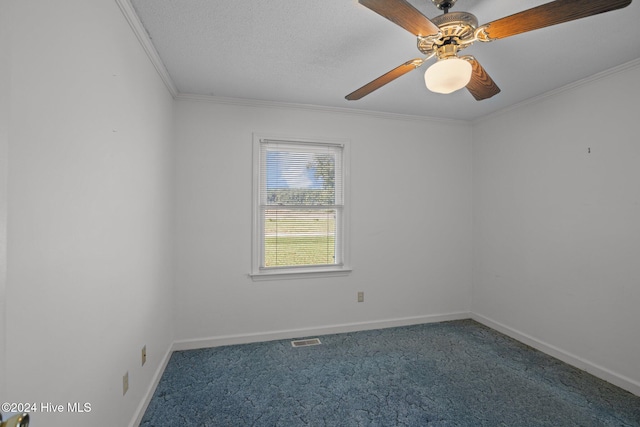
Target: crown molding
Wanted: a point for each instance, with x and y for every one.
(309, 107)
(566, 88)
(132, 18)
(141, 33)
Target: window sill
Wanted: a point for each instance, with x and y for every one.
(297, 274)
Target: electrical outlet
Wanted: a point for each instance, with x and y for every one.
(125, 383)
(360, 296)
(144, 355)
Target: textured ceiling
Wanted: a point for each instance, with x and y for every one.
(316, 51)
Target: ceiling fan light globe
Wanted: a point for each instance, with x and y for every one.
(448, 75)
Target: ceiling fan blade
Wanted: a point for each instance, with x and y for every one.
(481, 85)
(384, 79)
(403, 14)
(548, 14)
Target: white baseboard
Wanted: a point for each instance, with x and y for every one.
(576, 361)
(142, 407)
(306, 332)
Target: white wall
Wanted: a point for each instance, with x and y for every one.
(557, 229)
(89, 212)
(4, 144)
(410, 230)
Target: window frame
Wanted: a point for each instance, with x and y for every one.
(257, 231)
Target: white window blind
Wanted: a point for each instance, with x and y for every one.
(301, 203)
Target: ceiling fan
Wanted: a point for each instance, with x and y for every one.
(447, 34)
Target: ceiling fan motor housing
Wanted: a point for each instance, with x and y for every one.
(456, 28)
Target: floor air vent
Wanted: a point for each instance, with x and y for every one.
(306, 343)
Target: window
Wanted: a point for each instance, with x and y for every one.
(300, 217)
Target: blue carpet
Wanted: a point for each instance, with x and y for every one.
(456, 373)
